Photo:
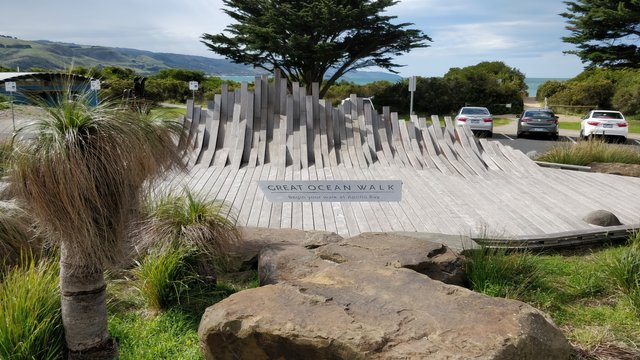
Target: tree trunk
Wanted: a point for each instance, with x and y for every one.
(84, 310)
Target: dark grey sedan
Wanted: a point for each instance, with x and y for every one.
(538, 121)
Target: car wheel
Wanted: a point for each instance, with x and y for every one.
(554, 137)
(489, 134)
(581, 136)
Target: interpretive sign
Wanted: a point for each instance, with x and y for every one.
(332, 190)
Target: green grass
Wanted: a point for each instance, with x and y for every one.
(31, 325)
(634, 126)
(586, 152)
(162, 278)
(579, 291)
(569, 125)
(171, 335)
(502, 274)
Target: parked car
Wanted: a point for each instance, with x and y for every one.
(364, 101)
(478, 119)
(538, 121)
(606, 123)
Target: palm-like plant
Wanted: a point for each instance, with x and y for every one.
(80, 171)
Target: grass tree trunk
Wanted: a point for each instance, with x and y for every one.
(84, 310)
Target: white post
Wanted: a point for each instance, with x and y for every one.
(10, 87)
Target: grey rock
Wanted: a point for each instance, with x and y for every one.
(602, 218)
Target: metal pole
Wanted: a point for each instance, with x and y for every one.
(411, 105)
(13, 115)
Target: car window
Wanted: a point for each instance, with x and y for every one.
(539, 114)
(474, 111)
(611, 115)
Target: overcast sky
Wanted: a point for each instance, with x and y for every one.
(523, 34)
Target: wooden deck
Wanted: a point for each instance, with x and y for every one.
(453, 183)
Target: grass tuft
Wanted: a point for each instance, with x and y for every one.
(589, 151)
(496, 272)
(30, 308)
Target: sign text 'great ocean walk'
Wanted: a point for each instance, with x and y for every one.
(332, 191)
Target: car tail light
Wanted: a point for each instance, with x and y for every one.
(487, 120)
(463, 119)
(525, 119)
(593, 123)
(624, 124)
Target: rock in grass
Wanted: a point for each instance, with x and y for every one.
(369, 297)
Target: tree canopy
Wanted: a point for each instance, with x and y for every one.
(308, 39)
(605, 32)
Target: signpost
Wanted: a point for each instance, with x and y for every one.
(193, 86)
(412, 89)
(95, 86)
(10, 87)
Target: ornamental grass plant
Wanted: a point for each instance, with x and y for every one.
(31, 326)
(589, 151)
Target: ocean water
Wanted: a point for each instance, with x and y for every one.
(534, 83)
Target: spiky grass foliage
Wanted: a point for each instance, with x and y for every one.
(31, 326)
(592, 150)
(81, 169)
(205, 226)
(16, 235)
(623, 267)
(162, 277)
(498, 272)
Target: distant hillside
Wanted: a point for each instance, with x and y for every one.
(45, 54)
(54, 55)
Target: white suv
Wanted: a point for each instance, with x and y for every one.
(605, 123)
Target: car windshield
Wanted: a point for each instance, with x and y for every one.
(610, 115)
(539, 114)
(474, 111)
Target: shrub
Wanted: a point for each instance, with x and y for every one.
(205, 227)
(496, 272)
(624, 269)
(162, 277)
(592, 150)
(30, 308)
(549, 88)
(16, 235)
(627, 99)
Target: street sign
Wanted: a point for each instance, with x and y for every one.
(10, 86)
(95, 84)
(193, 85)
(412, 83)
(412, 89)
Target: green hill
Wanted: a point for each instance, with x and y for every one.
(43, 54)
(16, 53)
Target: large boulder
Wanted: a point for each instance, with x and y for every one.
(373, 296)
(365, 310)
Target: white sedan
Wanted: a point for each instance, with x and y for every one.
(605, 123)
(479, 119)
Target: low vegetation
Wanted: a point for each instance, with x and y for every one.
(590, 151)
(30, 308)
(592, 296)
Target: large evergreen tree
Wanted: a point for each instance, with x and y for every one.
(307, 39)
(605, 32)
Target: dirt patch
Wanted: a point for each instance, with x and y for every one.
(616, 169)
